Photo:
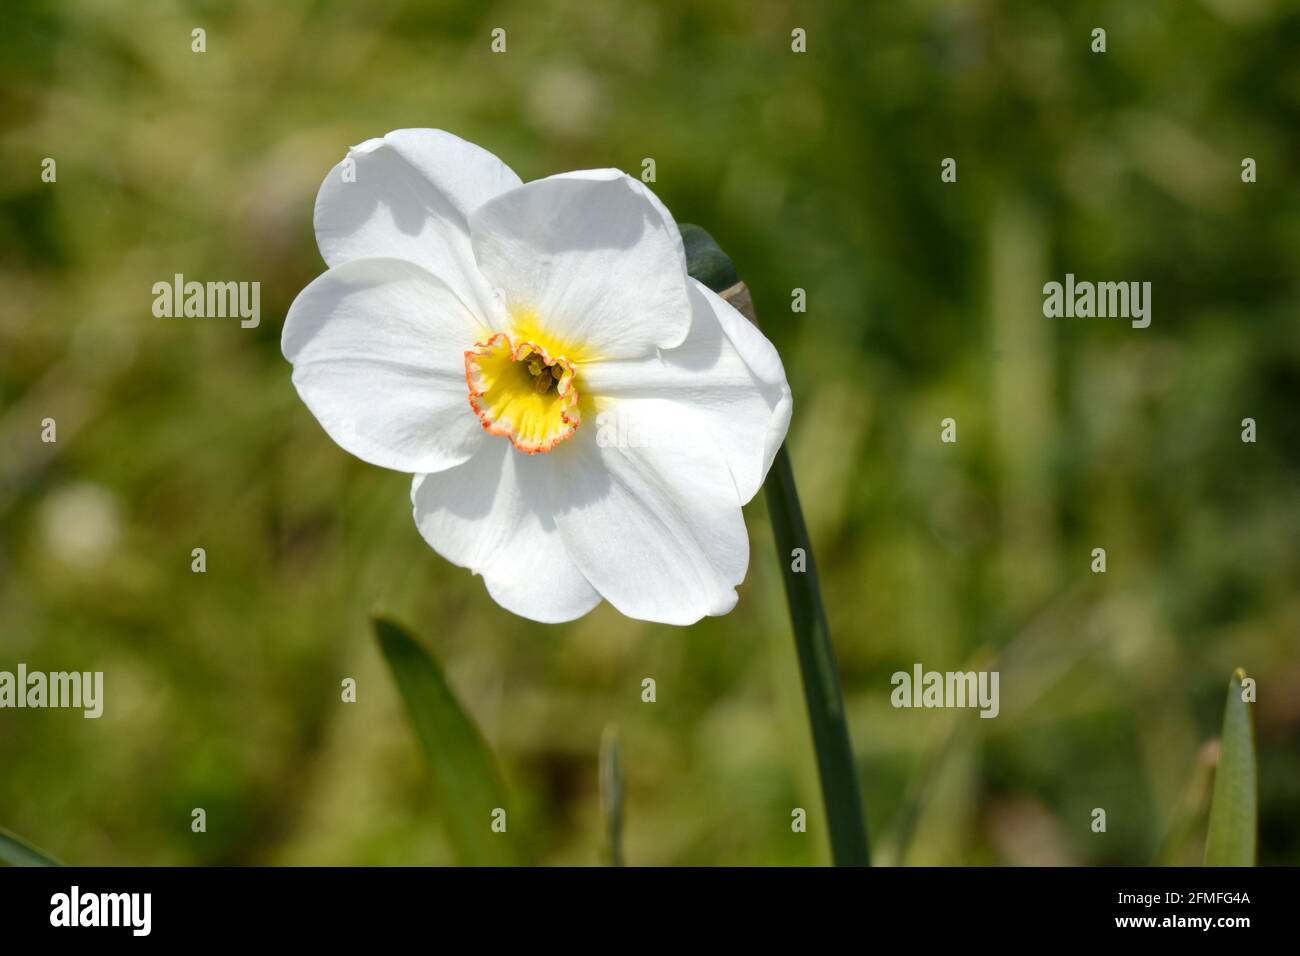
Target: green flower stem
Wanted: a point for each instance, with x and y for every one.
(707, 263)
(821, 683)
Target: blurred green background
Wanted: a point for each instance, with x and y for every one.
(817, 171)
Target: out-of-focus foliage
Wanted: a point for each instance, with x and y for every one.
(817, 171)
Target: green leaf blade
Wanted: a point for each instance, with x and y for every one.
(1232, 836)
(15, 851)
(465, 778)
(611, 793)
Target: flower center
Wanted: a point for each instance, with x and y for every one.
(519, 391)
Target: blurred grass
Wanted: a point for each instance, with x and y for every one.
(818, 171)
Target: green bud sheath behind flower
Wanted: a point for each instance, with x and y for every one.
(583, 419)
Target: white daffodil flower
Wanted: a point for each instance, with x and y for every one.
(582, 418)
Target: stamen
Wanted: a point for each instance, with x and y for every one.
(510, 389)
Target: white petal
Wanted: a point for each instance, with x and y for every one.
(656, 529)
(378, 352)
(726, 373)
(411, 197)
(492, 515)
(592, 257)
